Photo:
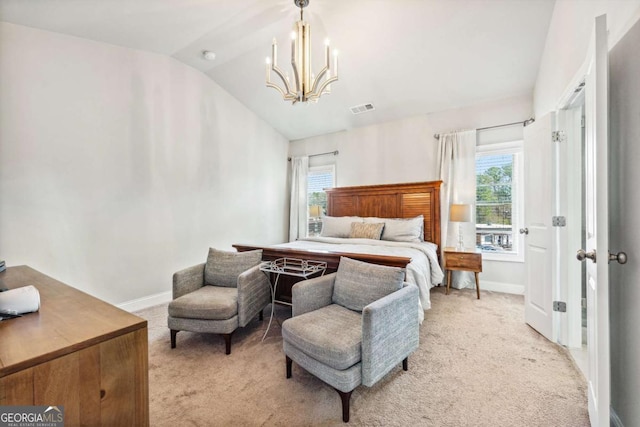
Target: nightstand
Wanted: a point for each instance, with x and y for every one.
(462, 260)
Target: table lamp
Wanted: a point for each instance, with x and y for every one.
(460, 213)
(315, 211)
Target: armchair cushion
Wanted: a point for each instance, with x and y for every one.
(332, 334)
(358, 283)
(206, 303)
(223, 268)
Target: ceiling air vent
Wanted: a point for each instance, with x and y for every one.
(359, 109)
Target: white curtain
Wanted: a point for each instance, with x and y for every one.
(457, 155)
(298, 209)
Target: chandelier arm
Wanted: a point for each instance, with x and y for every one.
(280, 74)
(325, 84)
(286, 93)
(316, 81)
(278, 88)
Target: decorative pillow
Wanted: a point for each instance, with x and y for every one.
(401, 229)
(360, 230)
(358, 283)
(338, 226)
(223, 268)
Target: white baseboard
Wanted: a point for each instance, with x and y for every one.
(507, 288)
(613, 418)
(146, 302)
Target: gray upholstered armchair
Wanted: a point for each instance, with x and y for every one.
(352, 327)
(219, 296)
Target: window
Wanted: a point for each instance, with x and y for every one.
(499, 201)
(319, 178)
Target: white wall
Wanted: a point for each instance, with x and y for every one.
(567, 42)
(119, 167)
(406, 151)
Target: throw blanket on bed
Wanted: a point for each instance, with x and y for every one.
(423, 270)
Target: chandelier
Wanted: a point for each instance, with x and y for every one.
(306, 86)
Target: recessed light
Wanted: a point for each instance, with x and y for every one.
(208, 55)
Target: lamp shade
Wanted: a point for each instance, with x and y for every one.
(315, 211)
(460, 213)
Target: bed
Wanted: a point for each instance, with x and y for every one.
(411, 200)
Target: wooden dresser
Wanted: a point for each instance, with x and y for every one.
(78, 352)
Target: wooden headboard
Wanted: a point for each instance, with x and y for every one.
(383, 201)
(390, 201)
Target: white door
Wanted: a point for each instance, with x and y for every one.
(538, 158)
(597, 225)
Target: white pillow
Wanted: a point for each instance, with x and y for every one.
(338, 226)
(401, 229)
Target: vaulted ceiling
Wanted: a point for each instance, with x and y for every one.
(406, 57)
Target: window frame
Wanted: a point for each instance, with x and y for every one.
(515, 148)
(329, 168)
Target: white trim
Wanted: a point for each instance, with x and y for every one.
(500, 147)
(580, 359)
(146, 302)
(502, 256)
(507, 288)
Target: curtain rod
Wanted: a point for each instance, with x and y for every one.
(335, 153)
(524, 123)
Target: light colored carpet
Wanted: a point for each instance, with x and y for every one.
(478, 364)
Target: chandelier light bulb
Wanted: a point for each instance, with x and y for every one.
(326, 42)
(268, 60)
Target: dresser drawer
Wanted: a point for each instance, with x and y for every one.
(463, 261)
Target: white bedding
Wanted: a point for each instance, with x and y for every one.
(423, 270)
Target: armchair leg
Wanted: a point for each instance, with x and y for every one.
(227, 342)
(261, 315)
(405, 364)
(346, 399)
(289, 363)
(173, 338)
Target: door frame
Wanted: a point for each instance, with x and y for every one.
(569, 203)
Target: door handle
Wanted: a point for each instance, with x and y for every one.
(621, 257)
(582, 255)
(524, 231)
